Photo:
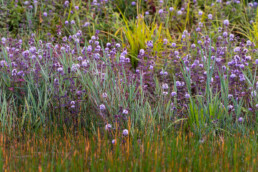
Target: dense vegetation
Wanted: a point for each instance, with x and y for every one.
(104, 84)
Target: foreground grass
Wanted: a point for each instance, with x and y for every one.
(156, 152)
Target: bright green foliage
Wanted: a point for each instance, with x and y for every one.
(137, 33)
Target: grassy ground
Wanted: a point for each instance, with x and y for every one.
(155, 152)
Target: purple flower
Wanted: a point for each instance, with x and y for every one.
(108, 126)
(193, 46)
(133, 3)
(163, 73)
(225, 34)
(165, 93)
(3, 40)
(125, 111)
(242, 77)
(256, 61)
(242, 66)
(142, 52)
(248, 43)
(176, 53)
(125, 132)
(75, 67)
(150, 44)
(232, 76)
(251, 4)
(230, 107)
(165, 41)
(64, 38)
(187, 95)
(26, 3)
(45, 14)
(102, 107)
(60, 69)
(3, 63)
(237, 49)
(171, 9)
(122, 59)
(56, 81)
(118, 45)
(72, 104)
(127, 60)
(86, 24)
(14, 72)
(200, 13)
(104, 95)
(178, 84)
(210, 16)
(228, 3)
(97, 56)
(160, 11)
(253, 93)
(173, 94)
(20, 73)
(179, 12)
(240, 119)
(231, 36)
(226, 22)
(165, 86)
(79, 58)
(66, 3)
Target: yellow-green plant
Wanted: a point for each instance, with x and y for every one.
(250, 30)
(136, 33)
